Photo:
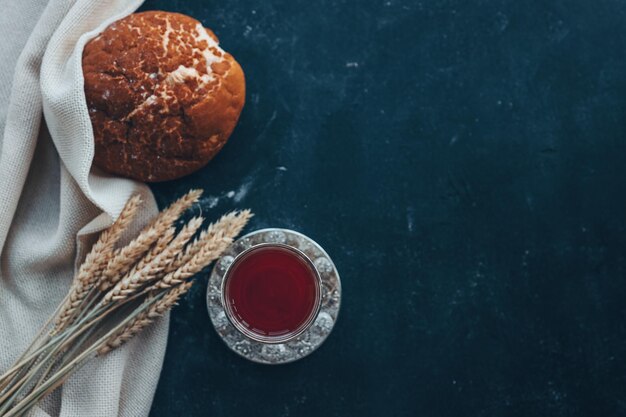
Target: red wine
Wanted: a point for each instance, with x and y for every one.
(272, 291)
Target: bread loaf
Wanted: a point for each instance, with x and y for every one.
(162, 96)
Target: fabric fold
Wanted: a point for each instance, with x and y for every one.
(52, 203)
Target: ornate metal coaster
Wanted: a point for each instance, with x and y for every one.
(306, 342)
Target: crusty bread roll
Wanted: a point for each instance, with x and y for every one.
(163, 97)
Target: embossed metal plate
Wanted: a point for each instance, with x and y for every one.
(308, 341)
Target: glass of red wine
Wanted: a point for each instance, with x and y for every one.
(271, 293)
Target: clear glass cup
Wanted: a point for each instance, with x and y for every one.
(265, 281)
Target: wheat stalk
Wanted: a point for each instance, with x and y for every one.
(160, 245)
(150, 271)
(117, 292)
(230, 224)
(98, 257)
(124, 258)
(157, 230)
(147, 317)
(207, 248)
(48, 385)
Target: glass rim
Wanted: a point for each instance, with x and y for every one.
(284, 337)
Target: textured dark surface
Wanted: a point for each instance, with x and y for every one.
(463, 164)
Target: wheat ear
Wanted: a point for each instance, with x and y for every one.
(158, 309)
(132, 282)
(155, 251)
(128, 256)
(230, 224)
(207, 248)
(98, 258)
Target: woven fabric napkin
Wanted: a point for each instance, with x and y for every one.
(52, 202)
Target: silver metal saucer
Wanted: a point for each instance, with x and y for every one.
(308, 341)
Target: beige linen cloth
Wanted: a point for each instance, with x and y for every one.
(51, 202)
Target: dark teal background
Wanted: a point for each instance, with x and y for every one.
(463, 162)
